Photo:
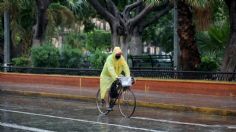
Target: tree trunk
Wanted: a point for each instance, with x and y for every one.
(41, 21)
(114, 35)
(229, 62)
(189, 57)
(133, 41)
(124, 23)
(115, 39)
(136, 44)
(104, 27)
(124, 46)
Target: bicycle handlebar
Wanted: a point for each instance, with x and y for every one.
(126, 81)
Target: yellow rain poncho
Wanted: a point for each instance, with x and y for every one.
(111, 70)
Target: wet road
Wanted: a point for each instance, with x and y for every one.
(39, 114)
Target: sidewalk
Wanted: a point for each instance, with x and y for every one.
(221, 105)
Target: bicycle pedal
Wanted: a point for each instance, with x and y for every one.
(103, 103)
(109, 109)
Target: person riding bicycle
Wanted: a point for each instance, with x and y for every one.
(113, 67)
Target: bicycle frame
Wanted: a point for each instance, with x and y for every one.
(120, 88)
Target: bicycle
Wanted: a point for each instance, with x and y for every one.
(126, 98)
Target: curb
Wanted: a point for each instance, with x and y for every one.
(50, 95)
(206, 110)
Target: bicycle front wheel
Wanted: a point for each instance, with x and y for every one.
(127, 103)
(102, 108)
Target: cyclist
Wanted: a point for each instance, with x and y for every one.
(113, 67)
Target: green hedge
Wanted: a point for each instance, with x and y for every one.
(208, 63)
(49, 56)
(45, 56)
(98, 39)
(23, 61)
(97, 59)
(70, 57)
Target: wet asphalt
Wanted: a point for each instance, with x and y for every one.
(41, 114)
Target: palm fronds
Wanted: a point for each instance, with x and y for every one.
(60, 14)
(214, 39)
(199, 3)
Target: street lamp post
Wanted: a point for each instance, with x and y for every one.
(6, 39)
(176, 38)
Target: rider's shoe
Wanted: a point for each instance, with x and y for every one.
(111, 104)
(109, 109)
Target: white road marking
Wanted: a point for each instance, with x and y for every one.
(231, 126)
(185, 123)
(80, 120)
(23, 127)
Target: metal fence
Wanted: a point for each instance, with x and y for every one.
(198, 75)
(162, 74)
(154, 62)
(63, 71)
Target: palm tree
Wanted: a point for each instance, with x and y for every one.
(214, 39)
(82, 12)
(189, 56)
(25, 12)
(21, 20)
(229, 62)
(59, 16)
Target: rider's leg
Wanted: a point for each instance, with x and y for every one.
(103, 95)
(112, 94)
(105, 85)
(104, 98)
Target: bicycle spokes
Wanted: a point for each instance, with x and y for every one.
(127, 103)
(102, 106)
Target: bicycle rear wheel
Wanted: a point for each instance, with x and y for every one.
(127, 103)
(102, 108)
